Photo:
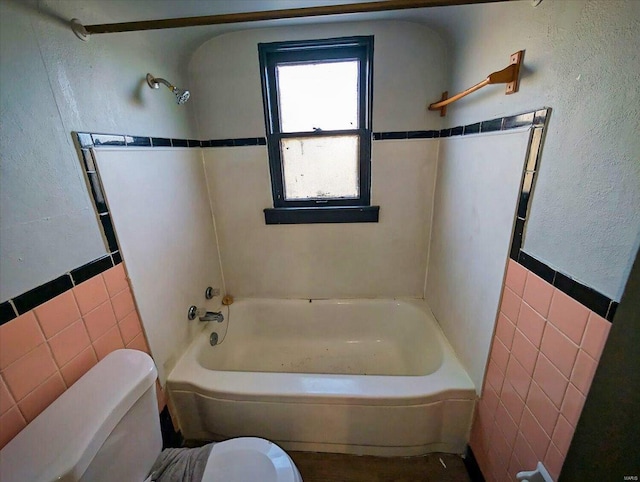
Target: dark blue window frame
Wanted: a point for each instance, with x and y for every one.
(336, 210)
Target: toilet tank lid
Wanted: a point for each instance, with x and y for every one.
(60, 443)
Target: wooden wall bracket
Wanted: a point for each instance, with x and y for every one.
(510, 75)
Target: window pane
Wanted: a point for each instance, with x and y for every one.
(318, 96)
(320, 167)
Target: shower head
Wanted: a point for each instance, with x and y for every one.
(182, 95)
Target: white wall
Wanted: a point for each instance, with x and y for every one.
(476, 195)
(409, 65)
(160, 209)
(384, 259)
(52, 84)
(581, 60)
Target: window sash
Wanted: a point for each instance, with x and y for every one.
(354, 48)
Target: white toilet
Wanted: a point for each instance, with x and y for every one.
(105, 428)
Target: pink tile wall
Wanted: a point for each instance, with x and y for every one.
(544, 354)
(44, 351)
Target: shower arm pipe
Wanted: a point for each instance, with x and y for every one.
(84, 31)
(510, 75)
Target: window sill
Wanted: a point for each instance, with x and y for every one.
(313, 215)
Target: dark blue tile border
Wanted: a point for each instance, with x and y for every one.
(91, 269)
(7, 313)
(43, 293)
(137, 141)
(35, 297)
(160, 142)
(179, 142)
(108, 140)
(583, 294)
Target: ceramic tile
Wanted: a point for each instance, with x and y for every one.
(534, 433)
(583, 372)
(506, 425)
(569, 316)
(531, 324)
(505, 330)
(58, 313)
(538, 293)
(572, 404)
(6, 400)
(502, 449)
(139, 343)
(91, 294)
(549, 378)
(524, 452)
(130, 327)
(595, 335)
(559, 349)
(524, 351)
(489, 400)
(11, 422)
(93, 268)
(516, 277)
(108, 342)
(562, 435)
(553, 461)
(43, 396)
(115, 279)
(80, 365)
(42, 294)
(542, 408)
(122, 304)
(494, 376)
(518, 378)
(480, 438)
(499, 354)
(69, 343)
(512, 401)
(29, 372)
(19, 337)
(514, 466)
(510, 305)
(100, 320)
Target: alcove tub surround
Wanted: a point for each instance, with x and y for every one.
(322, 261)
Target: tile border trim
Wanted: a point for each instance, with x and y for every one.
(536, 118)
(25, 302)
(85, 141)
(594, 300)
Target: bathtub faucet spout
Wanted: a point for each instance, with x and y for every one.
(212, 316)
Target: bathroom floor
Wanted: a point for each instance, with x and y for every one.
(323, 467)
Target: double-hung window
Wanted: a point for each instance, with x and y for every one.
(317, 102)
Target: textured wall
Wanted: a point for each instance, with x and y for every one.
(582, 61)
(53, 84)
(409, 65)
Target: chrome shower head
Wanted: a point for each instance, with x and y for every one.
(182, 95)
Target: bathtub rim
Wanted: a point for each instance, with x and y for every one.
(449, 381)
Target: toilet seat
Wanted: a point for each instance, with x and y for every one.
(249, 459)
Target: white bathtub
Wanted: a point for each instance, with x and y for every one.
(372, 377)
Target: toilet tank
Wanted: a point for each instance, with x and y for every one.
(103, 428)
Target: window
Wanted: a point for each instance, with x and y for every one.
(317, 102)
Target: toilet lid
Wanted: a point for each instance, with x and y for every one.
(249, 459)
